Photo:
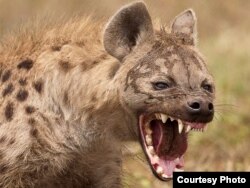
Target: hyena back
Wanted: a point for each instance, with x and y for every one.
(69, 99)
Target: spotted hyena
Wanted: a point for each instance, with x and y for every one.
(71, 93)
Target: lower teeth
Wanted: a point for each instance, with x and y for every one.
(151, 150)
(166, 176)
(149, 140)
(159, 170)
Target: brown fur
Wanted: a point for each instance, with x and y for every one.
(74, 103)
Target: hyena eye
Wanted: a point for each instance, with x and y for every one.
(207, 87)
(160, 85)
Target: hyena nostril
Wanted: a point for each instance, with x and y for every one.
(194, 106)
(210, 106)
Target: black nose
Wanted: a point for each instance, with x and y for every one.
(200, 107)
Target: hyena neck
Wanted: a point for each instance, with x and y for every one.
(89, 98)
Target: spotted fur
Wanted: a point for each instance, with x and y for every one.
(26, 64)
(71, 94)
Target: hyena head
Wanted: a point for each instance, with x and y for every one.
(163, 81)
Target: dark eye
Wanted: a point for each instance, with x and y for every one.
(208, 87)
(160, 85)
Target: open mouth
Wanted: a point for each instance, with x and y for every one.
(164, 141)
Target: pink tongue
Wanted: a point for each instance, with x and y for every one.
(169, 165)
(162, 136)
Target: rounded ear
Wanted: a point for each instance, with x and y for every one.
(184, 25)
(129, 26)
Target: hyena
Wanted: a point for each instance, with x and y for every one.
(72, 93)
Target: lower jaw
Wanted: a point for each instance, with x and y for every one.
(163, 168)
(164, 164)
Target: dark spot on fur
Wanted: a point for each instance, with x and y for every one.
(22, 81)
(113, 70)
(84, 65)
(20, 156)
(8, 90)
(89, 63)
(22, 95)
(2, 139)
(12, 141)
(66, 98)
(80, 43)
(38, 85)
(6, 75)
(103, 56)
(3, 168)
(26, 64)
(33, 129)
(58, 120)
(32, 121)
(29, 109)
(93, 98)
(9, 111)
(33, 132)
(95, 62)
(56, 48)
(47, 121)
(1, 155)
(45, 118)
(65, 65)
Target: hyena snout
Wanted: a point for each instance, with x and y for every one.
(200, 109)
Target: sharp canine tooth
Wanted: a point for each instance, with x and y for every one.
(159, 170)
(149, 140)
(180, 126)
(188, 128)
(158, 116)
(178, 170)
(164, 118)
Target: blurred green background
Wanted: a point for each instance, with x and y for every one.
(224, 39)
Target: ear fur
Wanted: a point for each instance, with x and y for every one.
(184, 25)
(126, 27)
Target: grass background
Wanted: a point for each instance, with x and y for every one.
(224, 29)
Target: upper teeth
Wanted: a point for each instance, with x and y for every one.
(164, 118)
(172, 119)
(188, 128)
(180, 126)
